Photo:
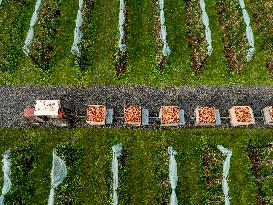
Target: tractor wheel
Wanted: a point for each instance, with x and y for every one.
(28, 112)
(61, 123)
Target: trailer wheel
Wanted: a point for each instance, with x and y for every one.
(61, 123)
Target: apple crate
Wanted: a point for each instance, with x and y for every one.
(268, 115)
(171, 116)
(207, 116)
(132, 115)
(241, 115)
(96, 115)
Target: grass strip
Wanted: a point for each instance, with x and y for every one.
(142, 65)
(106, 26)
(12, 35)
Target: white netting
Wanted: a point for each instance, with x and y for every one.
(163, 33)
(77, 32)
(249, 33)
(121, 42)
(30, 33)
(173, 174)
(228, 154)
(7, 181)
(116, 154)
(58, 173)
(205, 20)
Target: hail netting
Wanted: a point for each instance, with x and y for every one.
(249, 33)
(116, 154)
(6, 170)
(30, 32)
(163, 33)
(205, 20)
(77, 33)
(58, 173)
(173, 174)
(228, 154)
(121, 42)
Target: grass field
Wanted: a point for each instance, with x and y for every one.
(143, 52)
(143, 167)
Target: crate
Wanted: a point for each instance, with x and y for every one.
(207, 116)
(96, 115)
(132, 115)
(171, 116)
(241, 116)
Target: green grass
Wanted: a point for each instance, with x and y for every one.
(12, 36)
(143, 165)
(102, 71)
(142, 48)
(141, 43)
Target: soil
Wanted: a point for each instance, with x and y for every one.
(196, 36)
(216, 179)
(252, 155)
(42, 46)
(235, 41)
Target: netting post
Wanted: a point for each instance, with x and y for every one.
(7, 173)
(116, 154)
(77, 32)
(58, 173)
(205, 20)
(121, 43)
(226, 167)
(163, 32)
(173, 174)
(30, 33)
(249, 33)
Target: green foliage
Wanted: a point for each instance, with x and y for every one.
(68, 192)
(143, 167)
(47, 30)
(23, 165)
(87, 43)
(12, 33)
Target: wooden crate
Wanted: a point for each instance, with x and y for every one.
(245, 117)
(169, 115)
(96, 114)
(203, 113)
(132, 115)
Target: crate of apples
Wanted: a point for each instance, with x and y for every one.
(169, 115)
(132, 115)
(96, 114)
(268, 115)
(205, 116)
(241, 115)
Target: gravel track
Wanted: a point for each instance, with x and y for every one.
(14, 99)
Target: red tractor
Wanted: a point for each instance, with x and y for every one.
(49, 112)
